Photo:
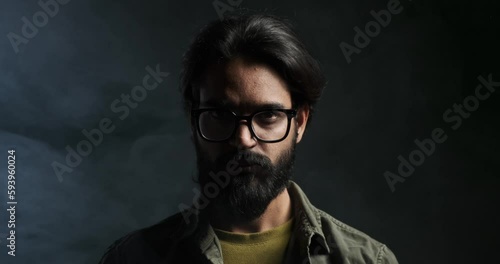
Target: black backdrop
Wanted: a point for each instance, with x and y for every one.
(64, 78)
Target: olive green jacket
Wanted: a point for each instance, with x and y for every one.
(189, 238)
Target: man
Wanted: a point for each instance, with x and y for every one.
(249, 87)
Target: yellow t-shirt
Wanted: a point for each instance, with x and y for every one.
(266, 247)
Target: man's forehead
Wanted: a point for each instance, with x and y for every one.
(245, 102)
(243, 84)
(247, 105)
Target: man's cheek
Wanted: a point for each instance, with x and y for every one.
(273, 155)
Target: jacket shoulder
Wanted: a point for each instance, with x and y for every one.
(153, 243)
(352, 244)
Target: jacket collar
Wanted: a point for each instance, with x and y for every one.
(307, 231)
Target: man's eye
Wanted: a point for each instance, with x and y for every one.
(268, 115)
(220, 114)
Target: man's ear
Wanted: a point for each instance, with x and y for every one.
(192, 127)
(191, 136)
(301, 121)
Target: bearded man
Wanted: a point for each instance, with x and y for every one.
(249, 87)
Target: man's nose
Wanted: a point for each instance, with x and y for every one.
(243, 137)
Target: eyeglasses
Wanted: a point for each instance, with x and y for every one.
(219, 124)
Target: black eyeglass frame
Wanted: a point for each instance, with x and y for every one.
(291, 113)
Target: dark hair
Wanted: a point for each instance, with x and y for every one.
(262, 38)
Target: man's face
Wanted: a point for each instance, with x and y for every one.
(246, 87)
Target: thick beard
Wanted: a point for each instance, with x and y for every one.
(248, 194)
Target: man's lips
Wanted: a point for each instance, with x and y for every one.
(249, 165)
(244, 163)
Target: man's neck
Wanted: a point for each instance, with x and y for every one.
(277, 213)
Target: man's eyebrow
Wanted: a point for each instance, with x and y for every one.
(216, 103)
(271, 105)
(225, 103)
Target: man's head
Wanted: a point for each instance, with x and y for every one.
(252, 66)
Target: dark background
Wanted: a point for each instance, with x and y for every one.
(395, 91)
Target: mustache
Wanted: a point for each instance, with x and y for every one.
(242, 158)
